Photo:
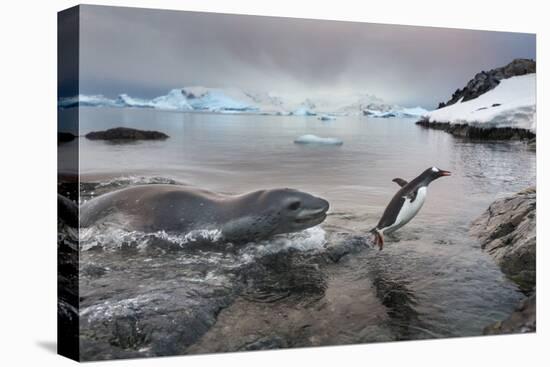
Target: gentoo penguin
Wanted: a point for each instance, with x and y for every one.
(405, 203)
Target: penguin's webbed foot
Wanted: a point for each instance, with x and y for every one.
(378, 239)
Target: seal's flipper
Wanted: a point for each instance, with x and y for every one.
(67, 211)
(400, 181)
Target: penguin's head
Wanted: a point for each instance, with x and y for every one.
(433, 173)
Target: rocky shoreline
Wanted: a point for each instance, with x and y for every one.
(507, 231)
(474, 132)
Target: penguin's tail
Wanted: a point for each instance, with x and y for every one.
(378, 238)
(67, 211)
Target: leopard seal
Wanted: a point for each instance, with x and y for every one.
(180, 209)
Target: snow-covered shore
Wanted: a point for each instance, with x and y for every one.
(511, 104)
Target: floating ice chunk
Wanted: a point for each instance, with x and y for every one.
(326, 118)
(314, 139)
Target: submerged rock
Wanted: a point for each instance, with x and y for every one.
(507, 231)
(125, 133)
(522, 320)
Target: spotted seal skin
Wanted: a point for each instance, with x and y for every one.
(253, 216)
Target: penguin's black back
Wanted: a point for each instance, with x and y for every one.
(409, 191)
(392, 210)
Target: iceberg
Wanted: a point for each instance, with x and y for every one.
(124, 100)
(174, 100)
(396, 111)
(414, 111)
(303, 111)
(84, 100)
(314, 139)
(326, 118)
(204, 99)
(512, 103)
(234, 100)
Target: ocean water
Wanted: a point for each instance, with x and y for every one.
(431, 280)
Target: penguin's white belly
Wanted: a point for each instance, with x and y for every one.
(408, 210)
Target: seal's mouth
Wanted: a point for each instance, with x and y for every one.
(311, 217)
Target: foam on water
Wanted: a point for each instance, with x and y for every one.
(113, 238)
(311, 239)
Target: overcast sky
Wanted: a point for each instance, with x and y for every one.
(145, 53)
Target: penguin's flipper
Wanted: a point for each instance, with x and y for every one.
(400, 181)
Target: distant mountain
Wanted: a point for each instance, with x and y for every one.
(233, 100)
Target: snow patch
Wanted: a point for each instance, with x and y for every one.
(512, 103)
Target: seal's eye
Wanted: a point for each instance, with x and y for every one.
(294, 205)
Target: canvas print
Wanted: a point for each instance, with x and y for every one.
(237, 183)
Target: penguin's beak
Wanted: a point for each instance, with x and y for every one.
(444, 173)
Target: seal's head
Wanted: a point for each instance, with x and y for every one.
(287, 210)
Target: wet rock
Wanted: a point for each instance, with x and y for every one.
(473, 132)
(507, 231)
(522, 320)
(67, 290)
(283, 275)
(155, 324)
(124, 133)
(334, 252)
(266, 343)
(67, 211)
(487, 80)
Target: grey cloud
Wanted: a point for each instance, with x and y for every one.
(147, 52)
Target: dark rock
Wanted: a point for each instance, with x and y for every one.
(507, 231)
(487, 80)
(64, 137)
(151, 325)
(522, 320)
(124, 133)
(474, 132)
(351, 245)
